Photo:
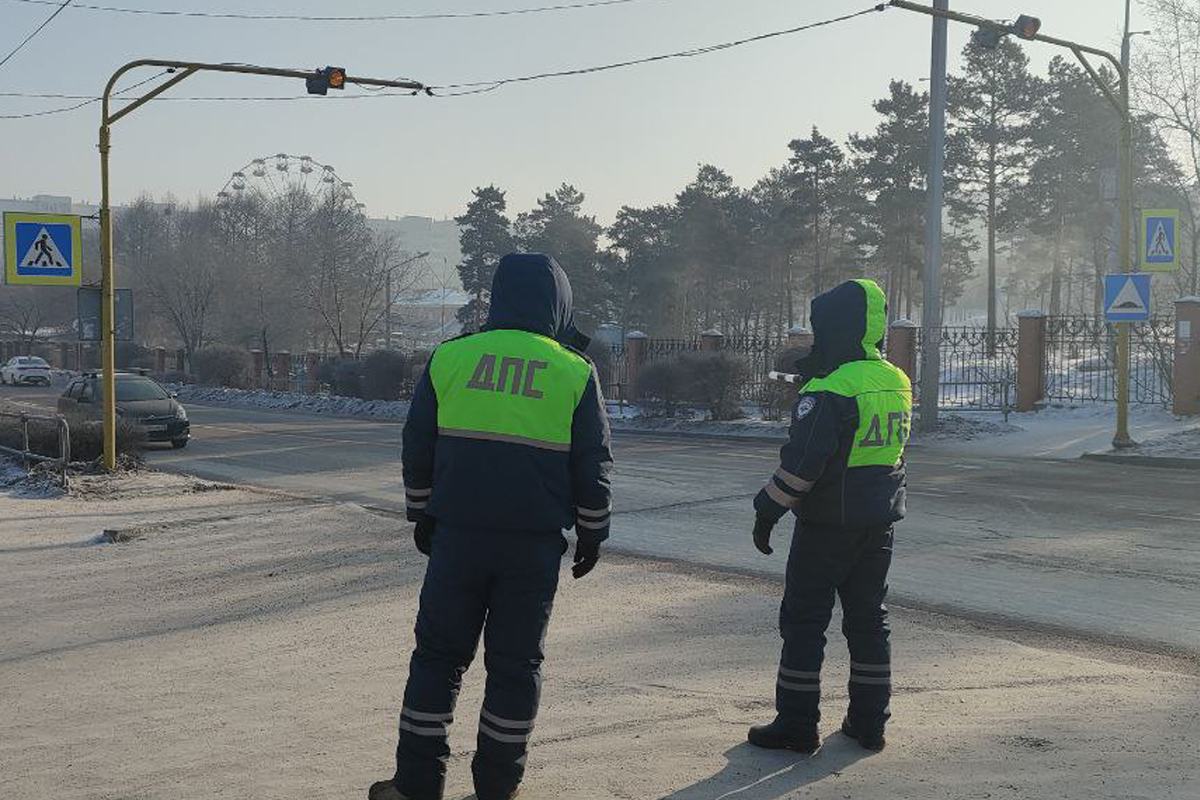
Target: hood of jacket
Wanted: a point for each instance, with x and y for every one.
(530, 292)
(849, 323)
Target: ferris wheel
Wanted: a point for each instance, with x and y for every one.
(273, 177)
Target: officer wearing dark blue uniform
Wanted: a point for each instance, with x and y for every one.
(506, 445)
(842, 472)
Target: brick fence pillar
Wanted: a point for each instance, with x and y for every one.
(1031, 359)
(312, 368)
(711, 340)
(256, 369)
(283, 370)
(1187, 356)
(902, 346)
(635, 357)
(160, 360)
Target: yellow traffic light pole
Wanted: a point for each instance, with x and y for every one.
(1119, 101)
(184, 70)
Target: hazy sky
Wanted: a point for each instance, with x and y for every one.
(631, 136)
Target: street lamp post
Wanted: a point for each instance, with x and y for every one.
(183, 70)
(1119, 101)
(931, 310)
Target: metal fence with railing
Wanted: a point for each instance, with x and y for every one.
(1081, 354)
(978, 369)
(16, 440)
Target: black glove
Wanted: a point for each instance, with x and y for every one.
(762, 535)
(423, 535)
(587, 553)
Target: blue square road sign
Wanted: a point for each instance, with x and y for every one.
(1127, 298)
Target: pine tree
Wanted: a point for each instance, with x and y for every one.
(990, 109)
(559, 228)
(485, 238)
(817, 162)
(890, 166)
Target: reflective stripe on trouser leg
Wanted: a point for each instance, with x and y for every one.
(518, 614)
(448, 626)
(804, 615)
(864, 622)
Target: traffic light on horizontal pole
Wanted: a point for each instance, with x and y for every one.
(322, 80)
(1027, 27)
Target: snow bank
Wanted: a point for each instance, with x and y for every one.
(294, 401)
(1184, 444)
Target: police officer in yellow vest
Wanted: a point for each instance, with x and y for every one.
(842, 473)
(506, 445)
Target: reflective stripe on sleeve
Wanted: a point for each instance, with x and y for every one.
(793, 481)
(418, 493)
(591, 526)
(593, 513)
(778, 495)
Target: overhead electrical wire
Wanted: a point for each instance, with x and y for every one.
(86, 102)
(433, 15)
(479, 87)
(36, 30)
(475, 87)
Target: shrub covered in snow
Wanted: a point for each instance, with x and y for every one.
(383, 374)
(711, 380)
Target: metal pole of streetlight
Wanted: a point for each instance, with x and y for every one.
(931, 310)
(184, 70)
(1120, 101)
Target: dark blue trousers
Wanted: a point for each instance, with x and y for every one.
(500, 584)
(852, 563)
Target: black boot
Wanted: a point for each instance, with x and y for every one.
(508, 794)
(384, 790)
(779, 735)
(869, 741)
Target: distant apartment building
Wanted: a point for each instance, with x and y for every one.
(437, 237)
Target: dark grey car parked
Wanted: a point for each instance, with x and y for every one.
(140, 401)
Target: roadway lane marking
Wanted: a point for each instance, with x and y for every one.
(310, 437)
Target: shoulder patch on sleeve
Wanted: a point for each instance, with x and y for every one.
(805, 406)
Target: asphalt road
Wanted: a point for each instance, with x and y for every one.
(1093, 550)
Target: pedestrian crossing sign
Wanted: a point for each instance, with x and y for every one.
(42, 249)
(1127, 298)
(1160, 240)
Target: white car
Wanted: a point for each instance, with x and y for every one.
(25, 369)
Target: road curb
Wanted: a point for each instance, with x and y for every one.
(1163, 462)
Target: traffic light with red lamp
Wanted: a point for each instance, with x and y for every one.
(322, 80)
(1026, 27)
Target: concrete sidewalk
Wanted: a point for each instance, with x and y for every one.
(256, 647)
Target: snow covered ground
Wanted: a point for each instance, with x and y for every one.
(1183, 444)
(1063, 432)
